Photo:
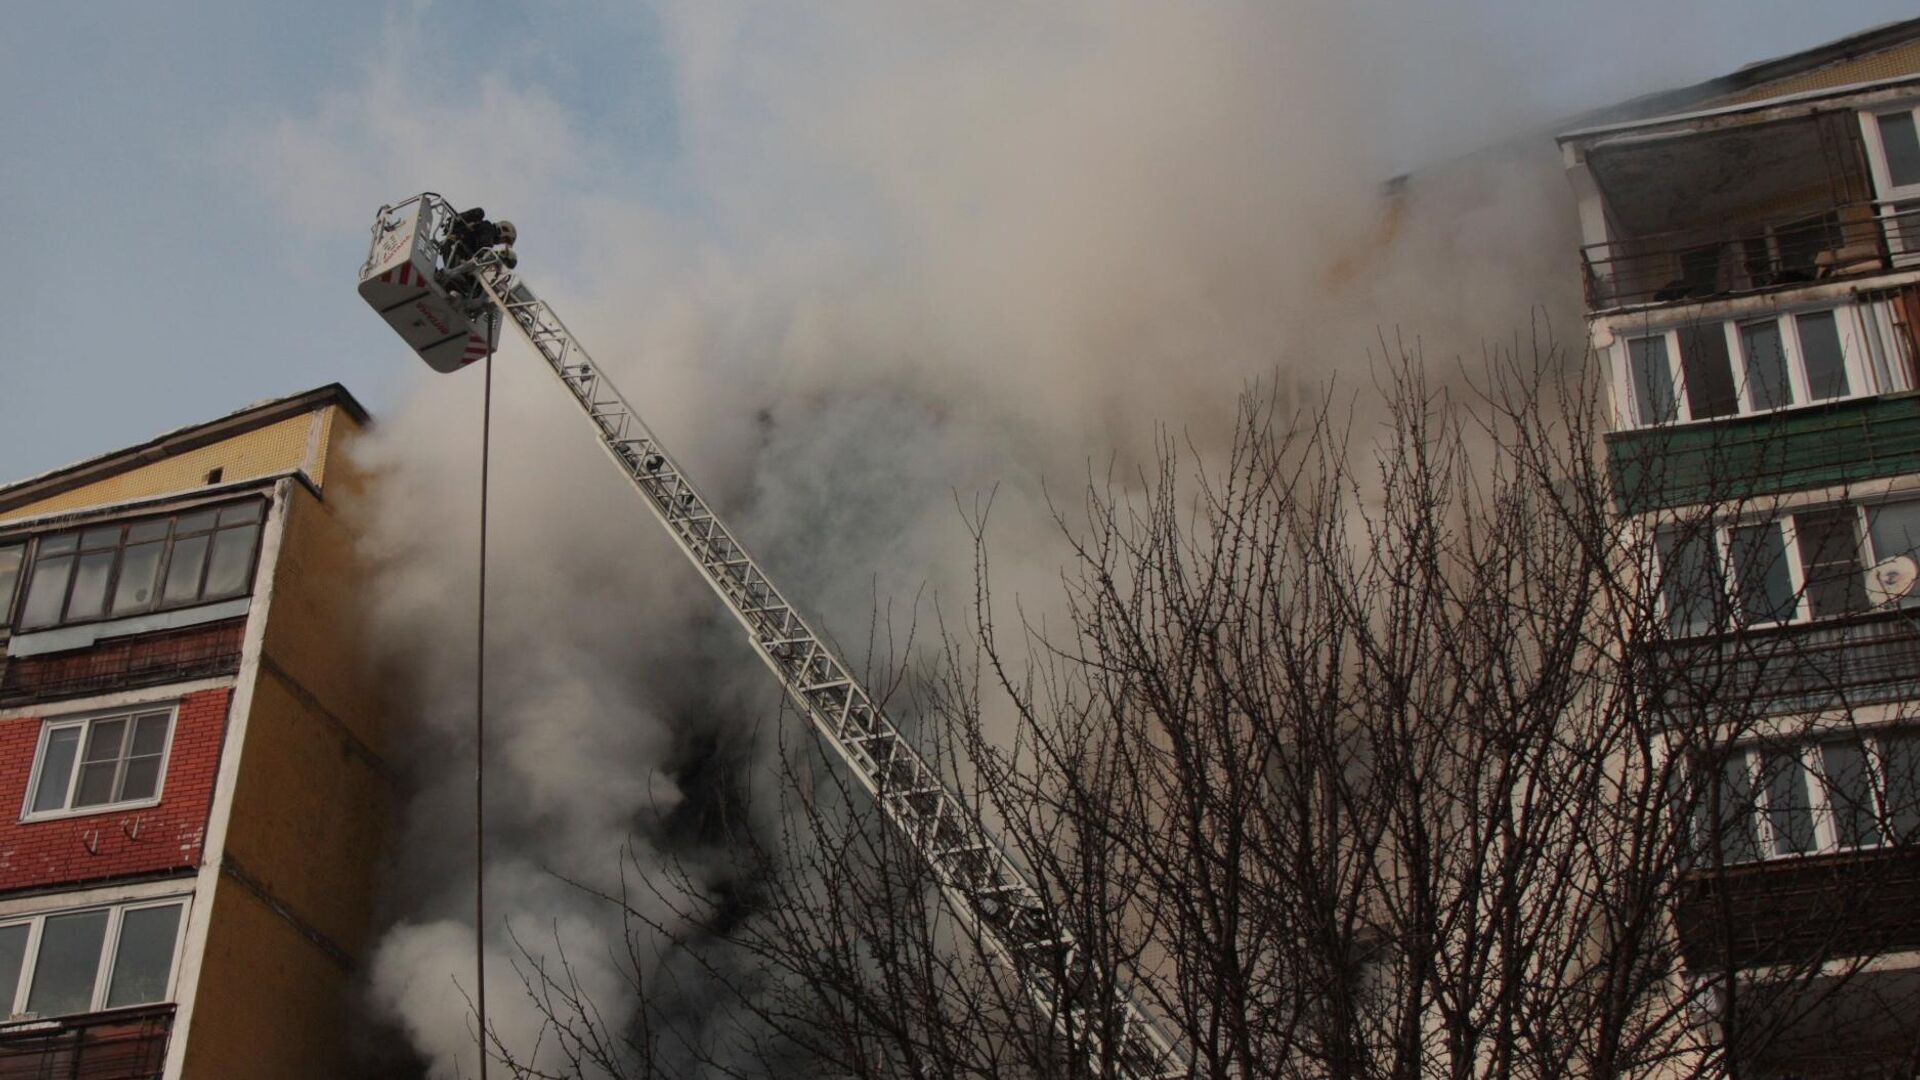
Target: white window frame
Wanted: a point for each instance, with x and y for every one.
(1820, 804)
(109, 951)
(1722, 539)
(86, 721)
(1855, 349)
(1886, 192)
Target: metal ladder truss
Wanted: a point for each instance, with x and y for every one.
(980, 882)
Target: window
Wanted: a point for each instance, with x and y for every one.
(99, 762)
(110, 571)
(83, 961)
(1811, 796)
(1893, 155)
(1809, 565)
(1701, 371)
(10, 555)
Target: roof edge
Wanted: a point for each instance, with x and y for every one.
(179, 440)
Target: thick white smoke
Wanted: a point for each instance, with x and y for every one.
(900, 252)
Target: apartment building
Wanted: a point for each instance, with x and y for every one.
(190, 756)
(1752, 270)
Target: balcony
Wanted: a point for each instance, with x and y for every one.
(1723, 209)
(123, 1044)
(1801, 911)
(1752, 255)
(1837, 442)
(1867, 659)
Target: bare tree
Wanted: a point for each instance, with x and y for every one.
(1370, 750)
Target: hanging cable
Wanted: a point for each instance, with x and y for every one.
(480, 714)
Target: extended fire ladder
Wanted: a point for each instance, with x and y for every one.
(980, 882)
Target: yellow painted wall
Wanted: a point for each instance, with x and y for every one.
(310, 816)
(276, 448)
(1886, 64)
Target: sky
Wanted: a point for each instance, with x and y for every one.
(186, 187)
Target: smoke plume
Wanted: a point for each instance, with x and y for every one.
(896, 254)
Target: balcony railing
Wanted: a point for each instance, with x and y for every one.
(124, 1044)
(1868, 659)
(1753, 255)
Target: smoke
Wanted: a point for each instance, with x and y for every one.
(892, 254)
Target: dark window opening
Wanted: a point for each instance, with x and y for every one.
(214, 474)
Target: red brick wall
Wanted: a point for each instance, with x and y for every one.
(118, 843)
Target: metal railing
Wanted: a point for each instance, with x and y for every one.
(1752, 255)
(123, 1044)
(1868, 659)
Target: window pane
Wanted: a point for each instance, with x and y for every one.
(142, 778)
(183, 572)
(1826, 364)
(1708, 374)
(105, 739)
(1727, 811)
(1900, 761)
(232, 560)
(13, 950)
(1689, 580)
(1903, 148)
(1788, 810)
(1652, 380)
(1760, 566)
(1830, 556)
(150, 735)
(96, 783)
(1895, 528)
(62, 544)
(9, 577)
(138, 569)
(241, 512)
(143, 531)
(69, 961)
(1766, 365)
(56, 769)
(144, 958)
(89, 599)
(1850, 793)
(200, 521)
(100, 539)
(47, 591)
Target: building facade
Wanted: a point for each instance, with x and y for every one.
(1752, 269)
(190, 755)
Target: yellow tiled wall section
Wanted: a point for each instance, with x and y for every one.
(1886, 64)
(276, 448)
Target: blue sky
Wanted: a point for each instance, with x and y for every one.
(186, 187)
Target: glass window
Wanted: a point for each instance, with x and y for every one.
(1727, 811)
(9, 579)
(1902, 147)
(1830, 559)
(116, 570)
(1689, 580)
(1894, 528)
(1766, 365)
(1825, 362)
(83, 961)
(1789, 812)
(1652, 379)
(1900, 765)
(144, 960)
(101, 762)
(1849, 786)
(1707, 372)
(13, 954)
(67, 964)
(1759, 561)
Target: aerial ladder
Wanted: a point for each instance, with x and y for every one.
(445, 280)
